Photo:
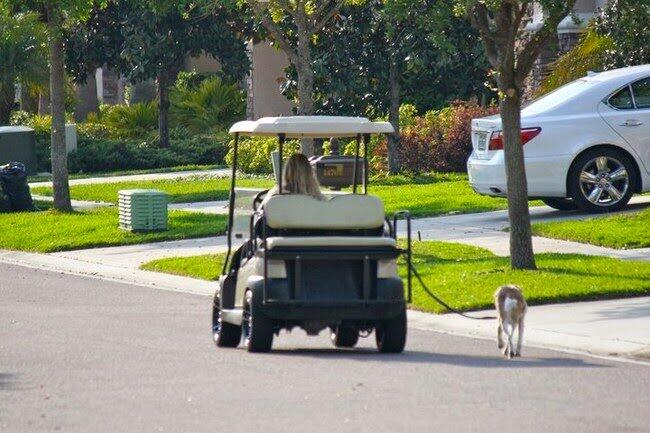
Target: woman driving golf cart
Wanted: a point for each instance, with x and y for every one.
(298, 178)
(309, 262)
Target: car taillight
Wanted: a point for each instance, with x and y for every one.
(527, 134)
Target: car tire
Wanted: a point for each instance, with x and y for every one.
(344, 336)
(224, 334)
(561, 204)
(593, 175)
(391, 334)
(256, 327)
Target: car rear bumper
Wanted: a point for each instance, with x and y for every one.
(546, 175)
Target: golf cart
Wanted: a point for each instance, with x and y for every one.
(309, 263)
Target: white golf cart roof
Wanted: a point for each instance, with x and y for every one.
(311, 126)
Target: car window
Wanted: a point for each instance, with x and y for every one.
(622, 99)
(557, 97)
(641, 91)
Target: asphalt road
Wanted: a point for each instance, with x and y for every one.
(85, 355)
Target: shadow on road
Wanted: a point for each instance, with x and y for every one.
(7, 381)
(420, 357)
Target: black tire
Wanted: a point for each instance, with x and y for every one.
(562, 204)
(391, 334)
(224, 334)
(256, 327)
(344, 336)
(579, 191)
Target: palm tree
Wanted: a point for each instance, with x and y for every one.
(23, 56)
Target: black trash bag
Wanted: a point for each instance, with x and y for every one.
(13, 182)
(5, 204)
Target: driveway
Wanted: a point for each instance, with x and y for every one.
(84, 355)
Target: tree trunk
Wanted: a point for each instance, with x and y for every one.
(393, 114)
(163, 110)
(43, 104)
(305, 80)
(7, 95)
(60, 186)
(87, 101)
(521, 245)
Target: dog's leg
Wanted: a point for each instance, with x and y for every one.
(510, 351)
(500, 343)
(520, 335)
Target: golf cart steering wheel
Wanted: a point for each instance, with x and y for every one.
(259, 197)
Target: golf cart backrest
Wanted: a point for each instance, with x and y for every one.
(343, 212)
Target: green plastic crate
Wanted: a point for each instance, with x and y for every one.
(142, 210)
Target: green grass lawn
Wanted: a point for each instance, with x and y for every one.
(49, 230)
(619, 231)
(431, 195)
(205, 267)
(466, 277)
(182, 190)
(426, 195)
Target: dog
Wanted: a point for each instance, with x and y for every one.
(511, 308)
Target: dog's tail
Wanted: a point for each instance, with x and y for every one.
(509, 304)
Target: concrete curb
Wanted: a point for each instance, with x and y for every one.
(138, 277)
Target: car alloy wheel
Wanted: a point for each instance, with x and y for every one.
(604, 181)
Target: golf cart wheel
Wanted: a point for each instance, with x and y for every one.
(344, 336)
(391, 334)
(257, 328)
(224, 334)
(561, 204)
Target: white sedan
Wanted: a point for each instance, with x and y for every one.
(587, 144)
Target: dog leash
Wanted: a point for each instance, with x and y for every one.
(443, 303)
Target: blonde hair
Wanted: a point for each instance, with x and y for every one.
(298, 177)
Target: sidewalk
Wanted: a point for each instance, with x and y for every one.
(217, 172)
(618, 327)
(487, 230)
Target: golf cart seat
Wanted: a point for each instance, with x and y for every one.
(343, 215)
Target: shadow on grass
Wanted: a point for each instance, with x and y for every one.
(421, 357)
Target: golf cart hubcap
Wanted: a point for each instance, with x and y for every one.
(604, 181)
(247, 318)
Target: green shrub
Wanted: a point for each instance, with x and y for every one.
(254, 155)
(438, 141)
(111, 155)
(211, 105)
(130, 121)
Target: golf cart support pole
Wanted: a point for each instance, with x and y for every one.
(281, 140)
(409, 274)
(231, 204)
(356, 165)
(366, 141)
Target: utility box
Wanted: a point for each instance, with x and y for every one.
(18, 143)
(142, 210)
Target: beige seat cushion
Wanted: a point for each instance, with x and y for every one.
(329, 241)
(298, 211)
